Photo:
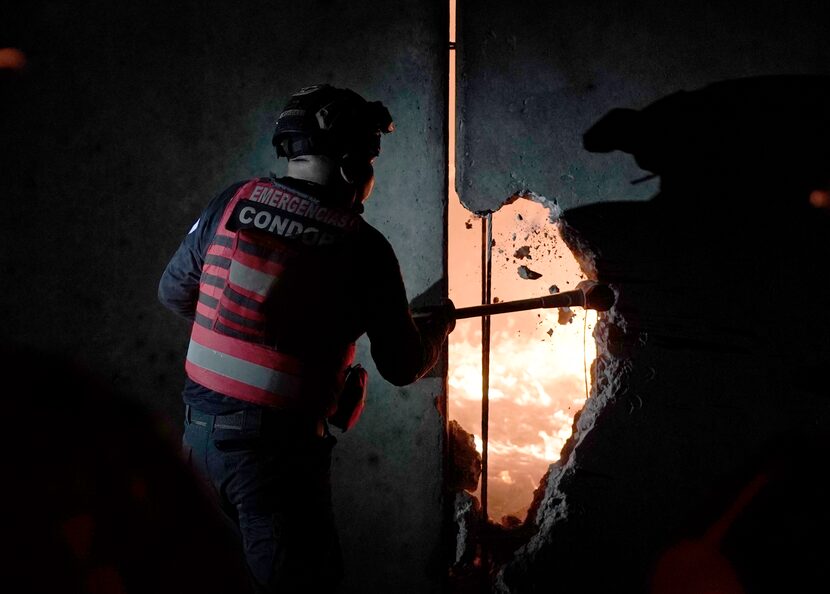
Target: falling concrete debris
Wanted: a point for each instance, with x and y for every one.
(553, 289)
(566, 315)
(528, 274)
(550, 332)
(468, 224)
(523, 252)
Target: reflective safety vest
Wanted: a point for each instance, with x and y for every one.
(263, 227)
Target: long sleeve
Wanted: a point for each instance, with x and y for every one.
(403, 351)
(178, 288)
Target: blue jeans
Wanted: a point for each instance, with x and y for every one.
(272, 480)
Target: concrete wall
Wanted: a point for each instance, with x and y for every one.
(536, 75)
(708, 379)
(130, 117)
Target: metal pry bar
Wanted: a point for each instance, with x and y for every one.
(588, 294)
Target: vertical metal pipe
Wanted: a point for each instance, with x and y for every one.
(486, 297)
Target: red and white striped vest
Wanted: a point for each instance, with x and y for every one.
(262, 228)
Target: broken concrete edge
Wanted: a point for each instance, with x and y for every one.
(467, 518)
(464, 472)
(550, 203)
(552, 507)
(585, 254)
(607, 376)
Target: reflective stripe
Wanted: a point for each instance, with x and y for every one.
(211, 302)
(264, 356)
(250, 279)
(220, 261)
(205, 311)
(234, 389)
(236, 318)
(215, 281)
(257, 338)
(270, 380)
(227, 353)
(214, 292)
(273, 266)
(272, 253)
(223, 240)
(249, 313)
(202, 320)
(239, 299)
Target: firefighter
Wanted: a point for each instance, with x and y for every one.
(280, 277)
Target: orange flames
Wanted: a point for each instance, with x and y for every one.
(538, 359)
(537, 365)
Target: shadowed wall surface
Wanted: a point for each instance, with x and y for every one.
(708, 374)
(130, 118)
(535, 75)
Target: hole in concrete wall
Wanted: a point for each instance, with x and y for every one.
(539, 359)
(539, 362)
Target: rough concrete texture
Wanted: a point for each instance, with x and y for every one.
(467, 520)
(130, 117)
(692, 390)
(534, 75)
(465, 472)
(696, 463)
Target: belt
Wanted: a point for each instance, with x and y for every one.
(254, 419)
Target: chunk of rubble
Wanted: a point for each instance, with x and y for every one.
(553, 289)
(510, 522)
(528, 274)
(522, 253)
(566, 315)
(467, 518)
(465, 470)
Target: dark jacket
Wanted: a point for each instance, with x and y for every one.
(338, 295)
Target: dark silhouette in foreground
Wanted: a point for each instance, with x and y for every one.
(97, 498)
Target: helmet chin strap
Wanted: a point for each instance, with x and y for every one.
(351, 181)
(362, 191)
(360, 176)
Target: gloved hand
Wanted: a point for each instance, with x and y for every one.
(436, 316)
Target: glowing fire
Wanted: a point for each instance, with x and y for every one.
(537, 364)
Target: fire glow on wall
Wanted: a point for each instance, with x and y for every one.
(539, 360)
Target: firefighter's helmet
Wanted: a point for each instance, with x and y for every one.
(325, 120)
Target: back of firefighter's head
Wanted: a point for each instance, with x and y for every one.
(340, 125)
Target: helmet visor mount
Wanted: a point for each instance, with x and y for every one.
(324, 120)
